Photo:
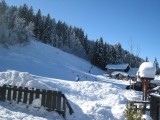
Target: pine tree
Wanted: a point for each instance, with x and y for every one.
(3, 8)
(26, 13)
(30, 15)
(59, 34)
(12, 13)
(118, 50)
(48, 30)
(23, 12)
(131, 113)
(157, 66)
(147, 60)
(38, 31)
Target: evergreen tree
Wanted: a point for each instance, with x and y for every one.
(12, 13)
(95, 55)
(30, 15)
(157, 66)
(131, 113)
(147, 60)
(3, 8)
(100, 53)
(86, 44)
(113, 55)
(38, 31)
(106, 54)
(156, 63)
(118, 50)
(23, 12)
(48, 27)
(26, 13)
(59, 34)
(22, 32)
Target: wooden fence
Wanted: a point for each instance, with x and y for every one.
(143, 104)
(51, 100)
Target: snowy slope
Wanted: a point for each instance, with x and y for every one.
(44, 60)
(94, 97)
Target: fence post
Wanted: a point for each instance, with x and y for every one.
(59, 101)
(49, 100)
(43, 103)
(54, 100)
(64, 106)
(25, 95)
(19, 94)
(14, 93)
(155, 107)
(69, 106)
(9, 93)
(37, 93)
(31, 93)
(3, 93)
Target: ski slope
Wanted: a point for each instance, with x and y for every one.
(37, 65)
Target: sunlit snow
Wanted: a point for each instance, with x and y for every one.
(94, 97)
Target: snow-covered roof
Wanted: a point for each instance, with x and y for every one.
(117, 66)
(132, 71)
(147, 70)
(119, 72)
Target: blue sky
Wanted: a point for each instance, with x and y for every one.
(117, 21)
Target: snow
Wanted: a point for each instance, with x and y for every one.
(132, 71)
(157, 77)
(41, 66)
(146, 117)
(36, 103)
(147, 70)
(90, 100)
(119, 72)
(118, 66)
(44, 60)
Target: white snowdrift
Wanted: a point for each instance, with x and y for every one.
(89, 100)
(23, 79)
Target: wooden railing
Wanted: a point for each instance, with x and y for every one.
(51, 100)
(143, 104)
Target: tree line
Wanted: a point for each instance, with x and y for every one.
(19, 24)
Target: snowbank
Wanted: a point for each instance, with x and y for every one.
(157, 77)
(24, 79)
(96, 100)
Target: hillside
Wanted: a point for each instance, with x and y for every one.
(43, 60)
(38, 65)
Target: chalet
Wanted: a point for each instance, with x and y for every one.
(121, 71)
(117, 67)
(133, 73)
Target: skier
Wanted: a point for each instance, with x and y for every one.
(77, 78)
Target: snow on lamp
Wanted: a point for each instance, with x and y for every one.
(147, 72)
